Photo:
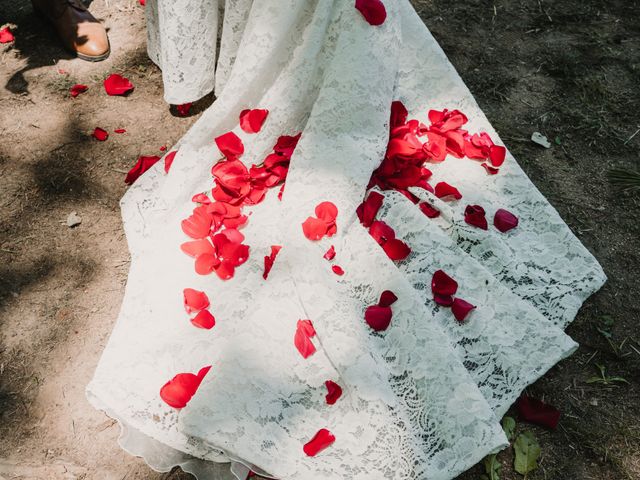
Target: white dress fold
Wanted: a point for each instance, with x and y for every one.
(421, 400)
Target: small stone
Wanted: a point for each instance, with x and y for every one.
(73, 220)
(537, 137)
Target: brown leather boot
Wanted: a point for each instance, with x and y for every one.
(79, 31)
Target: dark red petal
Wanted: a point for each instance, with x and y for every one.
(381, 232)
(443, 284)
(387, 298)
(475, 215)
(143, 164)
(116, 84)
(399, 114)
(461, 309)
(429, 210)
(314, 228)
(180, 389)
(269, 259)
(100, 134)
(302, 338)
(368, 210)
(120, 130)
(537, 412)
(184, 109)
(378, 317)
(505, 220)
(327, 211)
(373, 11)
(497, 155)
(251, 120)
(194, 300)
(443, 189)
(396, 249)
(230, 145)
(490, 170)
(334, 392)
(77, 89)
(168, 160)
(444, 300)
(204, 319)
(330, 254)
(337, 269)
(6, 36)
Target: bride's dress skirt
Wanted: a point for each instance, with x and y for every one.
(422, 399)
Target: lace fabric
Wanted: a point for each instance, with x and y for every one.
(421, 400)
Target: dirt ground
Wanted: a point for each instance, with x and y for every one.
(569, 69)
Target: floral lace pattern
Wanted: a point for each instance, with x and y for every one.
(421, 399)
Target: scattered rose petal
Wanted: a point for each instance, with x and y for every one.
(316, 228)
(387, 298)
(302, 338)
(180, 389)
(443, 284)
(269, 259)
(334, 392)
(373, 11)
(6, 36)
(368, 209)
(461, 309)
(142, 2)
(429, 210)
(444, 300)
(184, 109)
(396, 249)
(537, 412)
(475, 215)
(204, 319)
(119, 130)
(505, 220)
(251, 120)
(197, 225)
(443, 190)
(378, 317)
(77, 89)
(337, 269)
(230, 145)
(327, 211)
(116, 84)
(194, 300)
(321, 440)
(143, 164)
(163, 148)
(490, 170)
(168, 160)
(100, 134)
(330, 254)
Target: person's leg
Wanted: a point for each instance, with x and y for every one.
(79, 31)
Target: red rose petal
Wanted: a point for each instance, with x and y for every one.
(230, 145)
(6, 36)
(100, 134)
(206, 263)
(77, 89)
(119, 130)
(474, 215)
(537, 412)
(461, 309)
(399, 114)
(387, 298)
(443, 284)
(197, 225)
(381, 232)
(251, 120)
(490, 170)
(116, 84)
(327, 211)
(443, 189)
(334, 392)
(201, 198)
(330, 254)
(184, 109)
(444, 300)
(396, 249)
(163, 148)
(504, 220)
(337, 269)
(204, 319)
(368, 209)
(373, 11)
(270, 259)
(143, 164)
(142, 2)
(302, 338)
(180, 389)
(168, 160)
(194, 300)
(429, 210)
(378, 317)
(497, 155)
(197, 248)
(314, 228)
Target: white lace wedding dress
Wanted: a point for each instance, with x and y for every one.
(421, 400)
